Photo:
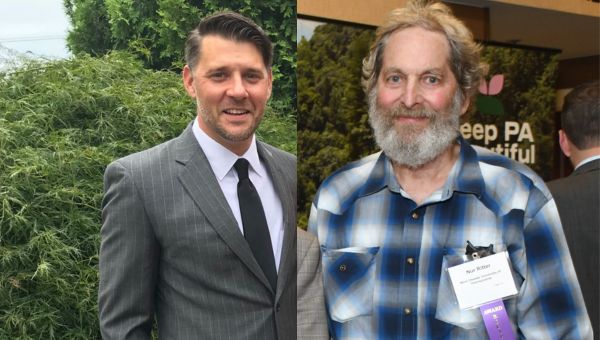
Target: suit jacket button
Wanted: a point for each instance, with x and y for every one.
(277, 307)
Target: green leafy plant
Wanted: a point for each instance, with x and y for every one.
(333, 126)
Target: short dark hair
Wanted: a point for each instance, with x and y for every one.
(580, 117)
(228, 25)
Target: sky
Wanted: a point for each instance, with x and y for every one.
(36, 27)
(40, 27)
(306, 28)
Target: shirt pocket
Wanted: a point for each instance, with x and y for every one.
(447, 309)
(349, 280)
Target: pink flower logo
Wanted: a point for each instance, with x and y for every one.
(485, 102)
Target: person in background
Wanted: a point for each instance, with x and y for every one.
(200, 232)
(312, 318)
(578, 195)
(386, 223)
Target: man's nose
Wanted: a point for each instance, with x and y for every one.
(412, 93)
(237, 88)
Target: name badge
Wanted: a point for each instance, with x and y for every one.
(483, 280)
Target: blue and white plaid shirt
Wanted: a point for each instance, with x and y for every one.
(383, 254)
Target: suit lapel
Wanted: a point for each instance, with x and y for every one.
(288, 202)
(197, 177)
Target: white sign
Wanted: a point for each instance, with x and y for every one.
(483, 280)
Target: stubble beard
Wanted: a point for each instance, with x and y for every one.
(213, 123)
(410, 145)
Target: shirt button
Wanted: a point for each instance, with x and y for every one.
(415, 215)
(342, 268)
(410, 260)
(407, 311)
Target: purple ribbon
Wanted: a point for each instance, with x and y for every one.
(496, 321)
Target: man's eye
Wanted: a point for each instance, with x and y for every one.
(431, 80)
(253, 76)
(394, 79)
(218, 76)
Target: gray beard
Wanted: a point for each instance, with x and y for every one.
(408, 145)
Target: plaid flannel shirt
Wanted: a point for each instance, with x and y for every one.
(382, 254)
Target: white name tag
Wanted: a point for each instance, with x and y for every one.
(483, 280)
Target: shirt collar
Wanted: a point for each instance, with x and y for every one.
(220, 158)
(379, 177)
(587, 160)
(465, 176)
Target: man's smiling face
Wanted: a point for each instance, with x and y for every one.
(415, 107)
(231, 85)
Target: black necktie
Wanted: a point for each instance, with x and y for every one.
(256, 230)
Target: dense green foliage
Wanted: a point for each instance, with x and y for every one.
(155, 31)
(61, 123)
(333, 126)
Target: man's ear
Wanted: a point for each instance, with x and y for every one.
(188, 81)
(465, 105)
(270, 78)
(564, 142)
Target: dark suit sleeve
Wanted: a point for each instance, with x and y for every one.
(128, 259)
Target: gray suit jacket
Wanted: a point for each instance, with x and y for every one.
(578, 200)
(312, 317)
(171, 248)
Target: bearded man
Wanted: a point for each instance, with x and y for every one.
(389, 224)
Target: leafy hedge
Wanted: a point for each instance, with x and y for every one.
(61, 123)
(333, 126)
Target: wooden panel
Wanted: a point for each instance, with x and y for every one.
(370, 13)
(572, 72)
(374, 13)
(581, 7)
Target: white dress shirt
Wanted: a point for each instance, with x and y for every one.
(587, 160)
(221, 161)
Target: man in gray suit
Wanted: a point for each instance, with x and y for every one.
(312, 317)
(578, 195)
(179, 242)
